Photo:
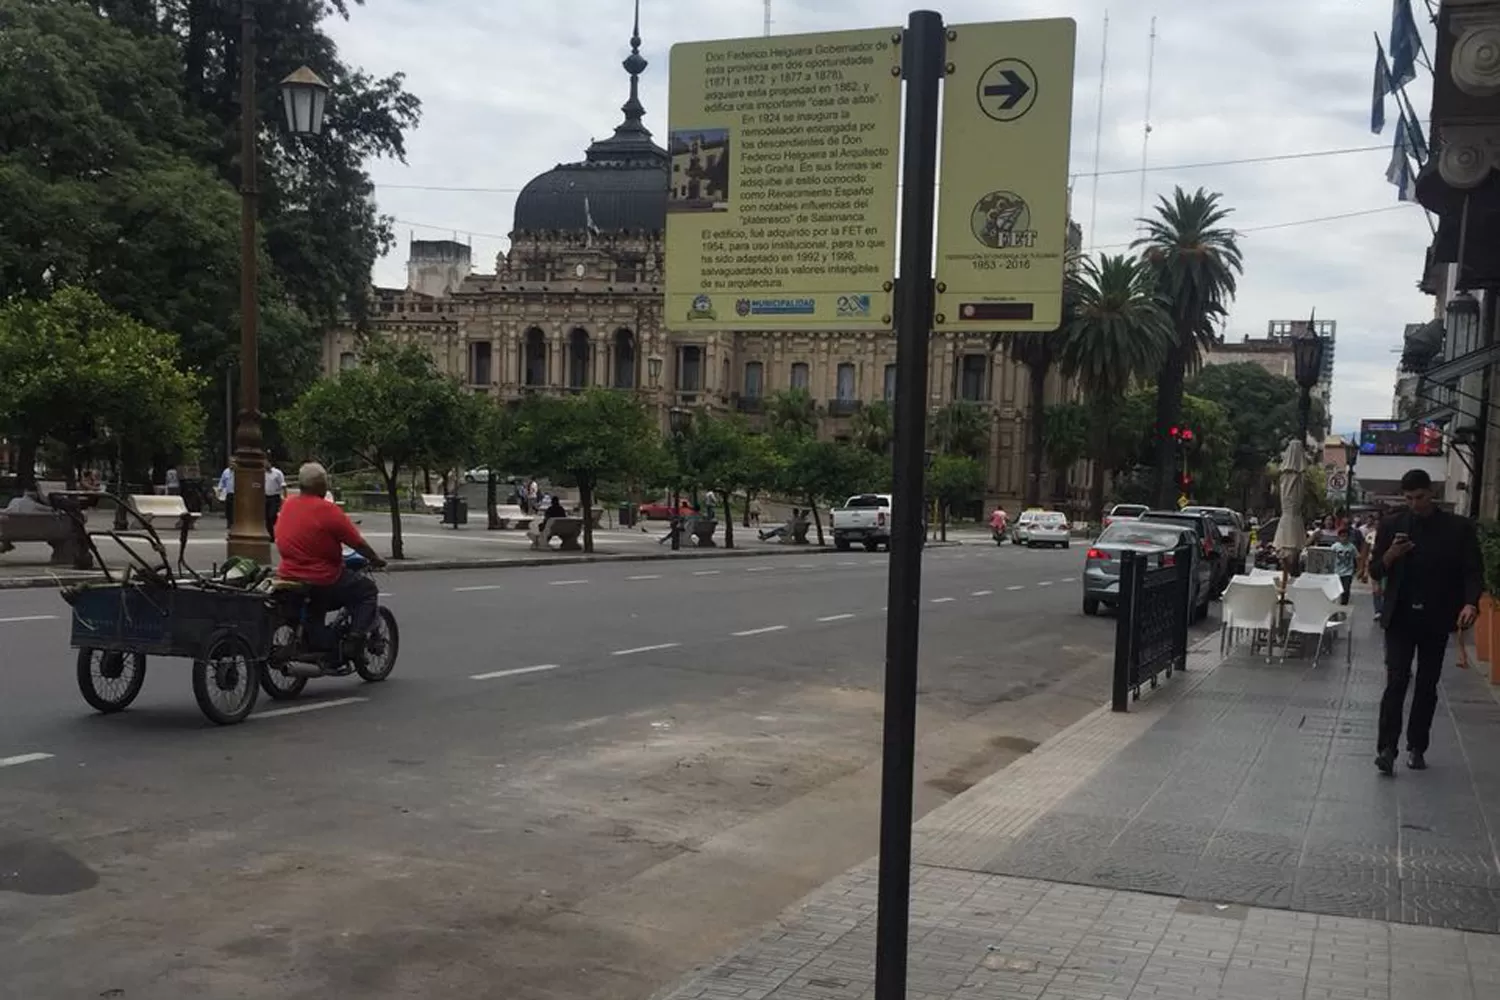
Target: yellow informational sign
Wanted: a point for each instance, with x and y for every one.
(1182, 500)
(1003, 189)
(785, 162)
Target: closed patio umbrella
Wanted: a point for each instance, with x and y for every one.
(1291, 535)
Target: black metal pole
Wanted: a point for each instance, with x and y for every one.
(922, 68)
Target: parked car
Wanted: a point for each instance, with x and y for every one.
(1208, 539)
(1041, 527)
(1232, 530)
(662, 510)
(1101, 568)
(1124, 510)
(865, 518)
(479, 475)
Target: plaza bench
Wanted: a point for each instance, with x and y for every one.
(512, 517)
(151, 506)
(58, 530)
(564, 529)
(433, 503)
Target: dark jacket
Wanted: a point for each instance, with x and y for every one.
(1452, 543)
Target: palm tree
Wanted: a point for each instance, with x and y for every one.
(1118, 334)
(871, 428)
(1196, 263)
(792, 412)
(961, 428)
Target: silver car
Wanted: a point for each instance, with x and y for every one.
(1101, 568)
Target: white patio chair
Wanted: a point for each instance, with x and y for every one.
(1249, 603)
(1315, 612)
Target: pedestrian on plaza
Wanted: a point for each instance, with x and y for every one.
(532, 497)
(1345, 562)
(755, 512)
(1428, 562)
(226, 492)
(275, 494)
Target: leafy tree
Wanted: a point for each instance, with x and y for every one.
(1196, 263)
(77, 370)
(583, 440)
(1037, 352)
(1117, 336)
(872, 428)
(961, 428)
(953, 480)
(1262, 409)
(1067, 440)
(826, 472)
(792, 413)
(395, 411)
(723, 456)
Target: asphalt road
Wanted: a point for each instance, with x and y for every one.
(580, 780)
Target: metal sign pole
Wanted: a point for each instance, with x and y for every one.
(922, 56)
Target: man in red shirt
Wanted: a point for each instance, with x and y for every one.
(310, 533)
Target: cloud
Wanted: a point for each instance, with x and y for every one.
(510, 89)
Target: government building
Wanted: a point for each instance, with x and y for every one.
(577, 300)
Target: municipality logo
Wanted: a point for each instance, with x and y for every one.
(703, 308)
(775, 307)
(853, 306)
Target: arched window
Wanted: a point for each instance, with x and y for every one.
(578, 358)
(624, 359)
(534, 358)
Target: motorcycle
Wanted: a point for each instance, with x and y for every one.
(305, 645)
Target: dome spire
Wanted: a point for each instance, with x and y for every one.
(631, 141)
(635, 64)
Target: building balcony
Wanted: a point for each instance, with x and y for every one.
(844, 407)
(749, 404)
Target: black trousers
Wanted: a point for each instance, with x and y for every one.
(358, 593)
(1406, 639)
(273, 511)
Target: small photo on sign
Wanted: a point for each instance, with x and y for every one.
(700, 170)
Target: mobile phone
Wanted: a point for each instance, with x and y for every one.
(1402, 537)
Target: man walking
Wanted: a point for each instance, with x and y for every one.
(1427, 562)
(226, 492)
(275, 493)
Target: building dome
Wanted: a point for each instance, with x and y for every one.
(620, 184)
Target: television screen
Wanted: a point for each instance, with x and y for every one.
(1393, 437)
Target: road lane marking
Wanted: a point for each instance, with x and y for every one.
(493, 674)
(1045, 583)
(470, 590)
(24, 758)
(314, 707)
(645, 649)
(759, 631)
(942, 600)
(1071, 579)
(981, 593)
(850, 562)
(707, 572)
(1015, 588)
(760, 569)
(835, 618)
(806, 566)
(565, 583)
(28, 618)
(645, 576)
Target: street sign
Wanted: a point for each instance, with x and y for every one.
(1182, 500)
(1003, 193)
(1338, 482)
(782, 208)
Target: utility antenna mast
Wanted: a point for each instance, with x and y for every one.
(768, 18)
(1146, 132)
(1099, 131)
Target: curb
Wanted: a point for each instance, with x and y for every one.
(427, 565)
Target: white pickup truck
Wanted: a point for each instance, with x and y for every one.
(864, 518)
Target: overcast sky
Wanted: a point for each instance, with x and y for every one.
(511, 88)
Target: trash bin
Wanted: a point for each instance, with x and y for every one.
(627, 515)
(455, 510)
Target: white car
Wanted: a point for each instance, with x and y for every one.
(1042, 527)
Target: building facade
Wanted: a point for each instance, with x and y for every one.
(1274, 353)
(576, 301)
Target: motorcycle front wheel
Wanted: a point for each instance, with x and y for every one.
(381, 648)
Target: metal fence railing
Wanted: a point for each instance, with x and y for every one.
(1152, 626)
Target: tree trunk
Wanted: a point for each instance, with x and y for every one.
(25, 464)
(491, 497)
(397, 551)
(942, 521)
(1168, 411)
(817, 519)
(426, 480)
(1035, 404)
(586, 500)
(728, 498)
(749, 497)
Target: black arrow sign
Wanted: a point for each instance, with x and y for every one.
(1013, 89)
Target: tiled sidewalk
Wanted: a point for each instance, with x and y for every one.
(1234, 784)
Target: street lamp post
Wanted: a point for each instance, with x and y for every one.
(304, 97)
(678, 418)
(1351, 455)
(1307, 354)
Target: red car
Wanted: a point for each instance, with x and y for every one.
(662, 510)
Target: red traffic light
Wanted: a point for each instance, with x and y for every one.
(1175, 431)
(1187, 433)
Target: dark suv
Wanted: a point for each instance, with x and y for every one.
(1214, 549)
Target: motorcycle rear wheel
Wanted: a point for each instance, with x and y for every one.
(274, 680)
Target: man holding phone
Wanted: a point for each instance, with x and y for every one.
(1427, 561)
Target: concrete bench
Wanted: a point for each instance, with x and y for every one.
(512, 516)
(702, 530)
(433, 502)
(564, 529)
(65, 535)
(173, 507)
